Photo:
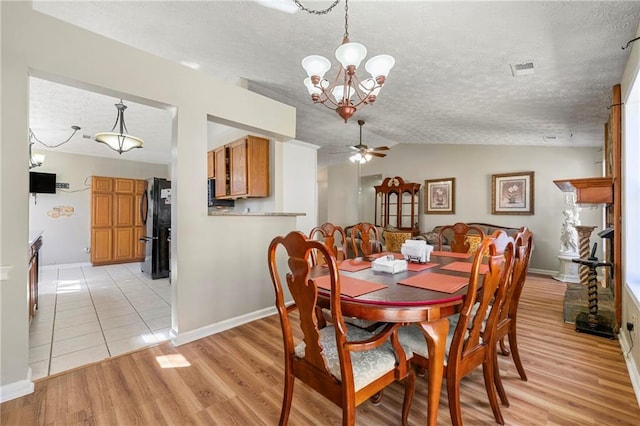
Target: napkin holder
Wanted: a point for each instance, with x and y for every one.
(417, 251)
(389, 264)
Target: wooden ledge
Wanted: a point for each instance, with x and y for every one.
(593, 190)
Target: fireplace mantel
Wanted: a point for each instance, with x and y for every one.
(594, 190)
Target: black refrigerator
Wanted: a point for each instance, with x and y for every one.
(155, 208)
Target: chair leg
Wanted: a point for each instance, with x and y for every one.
(513, 344)
(286, 398)
(489, 373)
(503, 348)
(453, 394)
(498, 380)
(348, 415)
(409, 391)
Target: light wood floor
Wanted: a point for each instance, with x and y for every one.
(235, 378)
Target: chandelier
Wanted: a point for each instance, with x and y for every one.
(120, 142)
(346, 93)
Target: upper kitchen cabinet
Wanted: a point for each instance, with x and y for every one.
(211, 165)
(242, 168)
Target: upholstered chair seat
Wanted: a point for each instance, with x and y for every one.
(367, 365)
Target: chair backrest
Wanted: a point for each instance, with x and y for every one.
(331, 235)
(484, 298)
(458, 242)
(305, 295)
(523, 247)
(367, 235)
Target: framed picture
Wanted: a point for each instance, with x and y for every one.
(512, 193)
(440, 196)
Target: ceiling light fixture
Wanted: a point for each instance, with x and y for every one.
(35, 160)
(119, 142)
(346, 93)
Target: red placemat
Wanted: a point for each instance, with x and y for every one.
(353, 265)
(437, 282)
(417, 267)
(452, 254)
(464, 267)
(351, 287)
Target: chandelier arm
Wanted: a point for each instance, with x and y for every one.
(316, 12)
(362, 95)
(33, 137)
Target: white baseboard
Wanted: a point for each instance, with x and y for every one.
(67, 265)
(17, 389)
(632, 367)
(189, 336)
(542, 271)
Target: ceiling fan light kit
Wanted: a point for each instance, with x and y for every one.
(119, 142)
(346, 93)
(364, 154)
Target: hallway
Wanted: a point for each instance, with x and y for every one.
(88, 313)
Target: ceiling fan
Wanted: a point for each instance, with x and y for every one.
(363, 153)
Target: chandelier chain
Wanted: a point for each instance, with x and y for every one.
(33, 137)
(316, 12)
(346, 19)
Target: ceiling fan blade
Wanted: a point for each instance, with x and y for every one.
(380, 148)
(377, 154)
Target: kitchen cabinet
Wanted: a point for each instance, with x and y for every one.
(116, 223)
(211, 165)
(242, 168)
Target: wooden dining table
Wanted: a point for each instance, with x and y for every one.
(396, 302)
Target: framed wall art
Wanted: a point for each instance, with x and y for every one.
(512, 193)
(440, 196)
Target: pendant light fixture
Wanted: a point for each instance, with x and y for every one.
(121, 141)
(36, 160)
(346, 93)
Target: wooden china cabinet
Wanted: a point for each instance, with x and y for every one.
(397, 205)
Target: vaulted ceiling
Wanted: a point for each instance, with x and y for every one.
(452, 82)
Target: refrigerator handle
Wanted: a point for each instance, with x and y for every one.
(144, 207)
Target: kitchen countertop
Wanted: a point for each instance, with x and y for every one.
(234, 213)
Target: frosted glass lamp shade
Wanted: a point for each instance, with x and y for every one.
(316, 65)
(313, 90)
(380, 65)
(351, 54)
(338, 93)
(119, 142)
(38, 159)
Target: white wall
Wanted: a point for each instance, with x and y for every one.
(630, 91)
(204, 291)
(66, 237)
(299, 188)
(472, 166)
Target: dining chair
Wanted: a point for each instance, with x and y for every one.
(507, 319)
(365, 239)
(459, 241)
(347, 365)
(471, 341)
(333, 237)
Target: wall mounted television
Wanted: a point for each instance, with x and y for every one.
(42, 183)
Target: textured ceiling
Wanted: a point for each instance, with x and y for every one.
(452, 82)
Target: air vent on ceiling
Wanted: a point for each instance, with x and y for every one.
(550, 138)
(526, 68)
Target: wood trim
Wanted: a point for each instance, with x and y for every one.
(616, 132)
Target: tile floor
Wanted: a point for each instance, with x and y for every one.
(89, 313)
